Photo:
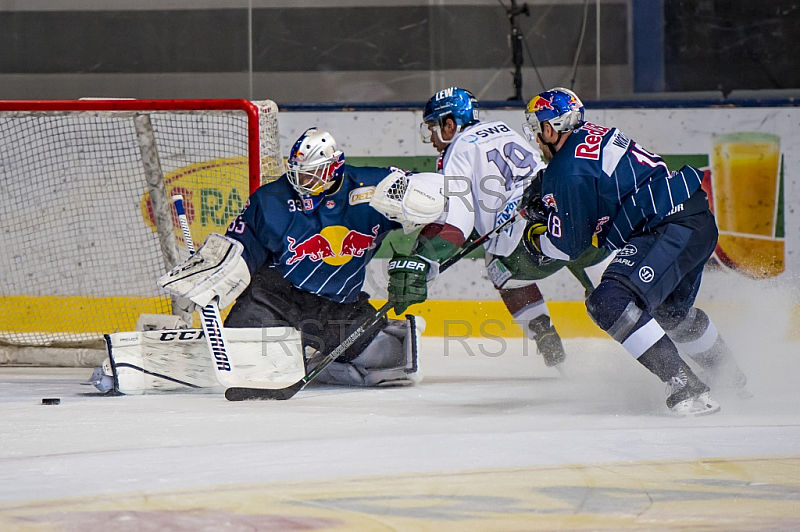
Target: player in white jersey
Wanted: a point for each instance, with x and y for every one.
(485, 166)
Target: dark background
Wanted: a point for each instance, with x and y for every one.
(398, 53)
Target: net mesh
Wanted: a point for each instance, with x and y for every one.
(80, 250)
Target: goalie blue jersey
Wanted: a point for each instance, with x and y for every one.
(602, 183)
(324, 252)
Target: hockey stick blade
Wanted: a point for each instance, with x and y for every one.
(262, 394)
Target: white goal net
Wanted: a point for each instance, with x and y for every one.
(86, 225)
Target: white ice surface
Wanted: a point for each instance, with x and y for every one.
(483, 404)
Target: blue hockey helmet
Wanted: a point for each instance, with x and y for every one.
(458, 104)
(560, 107)
(314, 165)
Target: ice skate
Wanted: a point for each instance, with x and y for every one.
(689, 396)
(102, 377)
(548, 342)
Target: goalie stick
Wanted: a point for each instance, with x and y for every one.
(281, 394)
(210, 318)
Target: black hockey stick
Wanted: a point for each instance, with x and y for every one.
(251, 394)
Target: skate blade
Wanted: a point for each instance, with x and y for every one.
(699, 406)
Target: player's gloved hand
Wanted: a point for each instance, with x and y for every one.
(535, 209)
(408, 281)
(531, 241)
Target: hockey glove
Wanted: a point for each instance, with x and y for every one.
(535, 209)
(408, 281)
(531, 241)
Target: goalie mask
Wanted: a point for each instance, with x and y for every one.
(314, 166)
(458, 104)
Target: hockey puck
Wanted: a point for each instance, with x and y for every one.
(51, 401)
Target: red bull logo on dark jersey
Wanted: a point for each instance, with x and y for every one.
(355, 244)
(334, 245)
(315, 248)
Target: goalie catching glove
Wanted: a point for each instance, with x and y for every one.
(216, 270)
(413, 200)
(408, 281)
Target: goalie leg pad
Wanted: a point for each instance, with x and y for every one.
(178, 360)
(155, 322)
(391, 359)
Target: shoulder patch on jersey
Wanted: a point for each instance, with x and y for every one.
(361, 195)
(550, 202)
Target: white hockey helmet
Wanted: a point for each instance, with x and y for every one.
(315, 163)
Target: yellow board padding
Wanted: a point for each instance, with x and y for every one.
(79, 314)
(459, 318)
(491, 318)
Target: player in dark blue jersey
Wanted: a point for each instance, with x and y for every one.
(307, 239)
(600, 186)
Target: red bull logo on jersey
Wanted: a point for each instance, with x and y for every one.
(315, 248)
(600, 223)
(334, 245)
(355, 244)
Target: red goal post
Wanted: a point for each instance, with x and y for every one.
(86, 225)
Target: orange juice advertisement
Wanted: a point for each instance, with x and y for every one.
(746, 195)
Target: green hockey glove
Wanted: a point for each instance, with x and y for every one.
(408, 281)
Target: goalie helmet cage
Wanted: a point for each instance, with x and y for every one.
(87, 225)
